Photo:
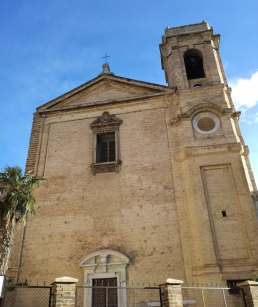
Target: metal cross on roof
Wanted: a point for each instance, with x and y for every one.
(105, 57)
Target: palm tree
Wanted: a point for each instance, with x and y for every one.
(16, 202)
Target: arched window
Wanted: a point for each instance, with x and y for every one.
(194, 64)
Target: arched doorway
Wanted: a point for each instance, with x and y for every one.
(105, 277)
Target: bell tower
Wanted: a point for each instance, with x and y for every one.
(214, 181)
(190, 56)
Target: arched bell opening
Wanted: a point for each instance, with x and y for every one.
(194, 64)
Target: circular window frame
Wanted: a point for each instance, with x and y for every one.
(206, 114)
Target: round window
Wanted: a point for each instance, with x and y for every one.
(206, 122)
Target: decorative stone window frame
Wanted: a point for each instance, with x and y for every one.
(105, 264)
(104, 124)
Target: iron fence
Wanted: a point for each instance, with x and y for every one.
(113, 296)
(27, 296)
(211, 297)
(199, 296)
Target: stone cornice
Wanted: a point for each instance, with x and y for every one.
(206, 106)
(102, 103)
(209, 149)
(210, 84)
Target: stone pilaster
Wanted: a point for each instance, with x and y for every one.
(171, 293)
(250, 289)
(64, 289)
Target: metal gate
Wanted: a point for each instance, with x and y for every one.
(98, 295)
(27, 296)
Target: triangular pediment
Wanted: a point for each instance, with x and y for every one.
(105, 89)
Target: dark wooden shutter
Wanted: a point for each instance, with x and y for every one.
(112, 151)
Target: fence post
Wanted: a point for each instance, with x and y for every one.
(64, 289)
(250, 289)
(171, 293)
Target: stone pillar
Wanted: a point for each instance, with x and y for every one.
(64, 289)
(250, 289)
(171, 293)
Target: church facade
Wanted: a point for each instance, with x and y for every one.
(143, 181)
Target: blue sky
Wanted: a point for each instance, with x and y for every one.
(48, 47)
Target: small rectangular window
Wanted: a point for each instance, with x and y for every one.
(106, 147)
(224, 213)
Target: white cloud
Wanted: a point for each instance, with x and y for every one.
(256, 118)
(249, 117)
(245, 91)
